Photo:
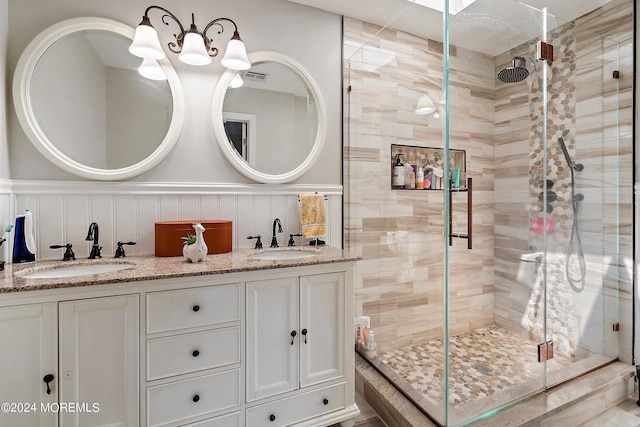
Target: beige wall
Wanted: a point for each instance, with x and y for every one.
(277, 25)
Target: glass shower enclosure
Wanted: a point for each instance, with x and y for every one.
(488, 188)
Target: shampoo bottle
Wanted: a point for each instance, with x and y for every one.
(397, 178)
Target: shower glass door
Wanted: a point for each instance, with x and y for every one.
(536, 301)
(496, 289)
(473, 95)
(588, 190)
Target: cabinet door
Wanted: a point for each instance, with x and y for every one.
(272, 351)
(322, 327)
(28, 352)
(99, 361)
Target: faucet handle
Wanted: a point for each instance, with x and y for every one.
(291, 241)
(258, 241)
(68, 254)
(120, 250)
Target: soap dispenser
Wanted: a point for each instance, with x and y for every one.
(24, 245)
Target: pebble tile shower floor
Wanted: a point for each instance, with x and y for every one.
(483, 362)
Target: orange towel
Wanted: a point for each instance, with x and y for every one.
(313, 216)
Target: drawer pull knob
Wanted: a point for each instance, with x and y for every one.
(196, 308)
(293, 336)
(304, 332)
(272, 418)
(195, 353)
(325, 401)
(196, 398)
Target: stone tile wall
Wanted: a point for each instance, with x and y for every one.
(399, 233)
(584, 109)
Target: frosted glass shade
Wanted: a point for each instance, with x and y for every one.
(236, 57)
(146, 43)
(236, 82)
(151, 70)
(425, 105)
(193, 50)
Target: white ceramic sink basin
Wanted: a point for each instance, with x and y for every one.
(76, 270)
(285, 254)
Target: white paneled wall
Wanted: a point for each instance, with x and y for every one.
(128, 211)
(5, 215)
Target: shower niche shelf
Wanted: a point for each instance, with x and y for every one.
(431, 161)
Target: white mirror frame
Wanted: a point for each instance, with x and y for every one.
(227, 148)
(24, 110)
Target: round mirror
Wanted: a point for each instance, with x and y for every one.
(273, 126)
(82, 103)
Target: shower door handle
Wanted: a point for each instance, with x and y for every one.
(467, 236)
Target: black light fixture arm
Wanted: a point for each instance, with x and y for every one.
(207, 40)
(179, 37)
(176, 47)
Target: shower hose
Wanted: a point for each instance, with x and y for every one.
(575, 244)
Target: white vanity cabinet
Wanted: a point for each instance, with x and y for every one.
(295, 340)
(256, 347)
(193, 347)
(99, 361)
(28, 352)
(95, 380)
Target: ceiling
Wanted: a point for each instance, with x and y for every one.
(487, 26)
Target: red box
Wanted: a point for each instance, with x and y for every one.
(168, 236)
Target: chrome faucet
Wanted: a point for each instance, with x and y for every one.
(274, 241)
(92, 234)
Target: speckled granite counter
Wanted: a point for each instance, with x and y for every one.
(149, 268)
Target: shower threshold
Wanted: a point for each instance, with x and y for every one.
(489, 368)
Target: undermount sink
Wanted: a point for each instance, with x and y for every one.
(76, 270)
(285, 254)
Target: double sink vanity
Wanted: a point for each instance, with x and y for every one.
(246, 338)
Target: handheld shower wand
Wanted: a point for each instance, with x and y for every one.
(575, 244)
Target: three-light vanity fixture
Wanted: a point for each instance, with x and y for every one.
(193, 47)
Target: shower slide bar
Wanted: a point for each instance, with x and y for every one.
(469, 191)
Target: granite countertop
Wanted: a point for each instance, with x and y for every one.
(149, 268)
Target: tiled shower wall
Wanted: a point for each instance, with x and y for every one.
(582, 107)
(399, 233)
(127, 211)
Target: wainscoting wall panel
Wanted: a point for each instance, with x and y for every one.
(128, 211)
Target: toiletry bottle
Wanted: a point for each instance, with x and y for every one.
(407, 176)
(412, 179)
(397, 178)
(420, 179)
(365, 335)
(371, 348)
(24, 246)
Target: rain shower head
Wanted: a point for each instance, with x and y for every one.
(516, 73)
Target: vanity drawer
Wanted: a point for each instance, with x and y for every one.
(231, 420)
(189, 308)
(297, 408)
(181, 400)
(185, 353)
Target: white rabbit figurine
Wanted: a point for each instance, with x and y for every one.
(197, 251)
